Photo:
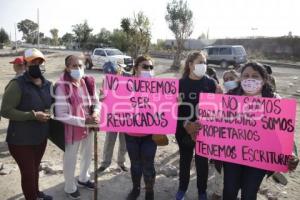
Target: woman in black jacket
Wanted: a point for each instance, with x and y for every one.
(193, 82)
(26, 103)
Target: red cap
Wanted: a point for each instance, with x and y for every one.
(18, 61)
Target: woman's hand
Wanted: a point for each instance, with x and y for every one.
(41, 116)
(96, 118)
(92, 121)
(219, 89)
(293, 163)
(192, 128)
(101, 95)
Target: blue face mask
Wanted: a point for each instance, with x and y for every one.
(77, 74)
(230, 85)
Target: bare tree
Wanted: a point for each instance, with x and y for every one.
(138, 33)
(179, 18)
(54, 33)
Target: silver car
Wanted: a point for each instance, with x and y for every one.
(226, 55)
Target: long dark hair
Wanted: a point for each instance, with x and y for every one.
(267, 89)
(190, 59)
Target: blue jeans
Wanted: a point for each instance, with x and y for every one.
(141, 151)
(237, 177)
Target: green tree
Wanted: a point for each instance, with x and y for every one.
(42, 35)
(202, 36)
(67, 38)
(82, 33)
(160, 45)
(46, 40)
(126, 25)
(4, 38)
(54, 33)
(119, 40)
(29, 30)
(179, 19)
(103, 38)
(138, 33)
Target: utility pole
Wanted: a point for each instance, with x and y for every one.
(16, 43)
(254, 29)
(207, 34)
(38, 31)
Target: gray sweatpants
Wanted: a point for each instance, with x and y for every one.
(110, 140)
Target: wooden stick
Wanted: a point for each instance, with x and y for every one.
(95, 165)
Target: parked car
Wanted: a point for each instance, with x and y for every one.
(226, 55)
(100, 56)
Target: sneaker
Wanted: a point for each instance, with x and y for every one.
(88, 185)
(180, 195)
(216, 196)
(43, 196)
(280, 178)
(134, 194)
(101, 169)
(203, 196)
(74, 195)
(123, 168)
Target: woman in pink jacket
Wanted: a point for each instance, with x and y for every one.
(76, 105)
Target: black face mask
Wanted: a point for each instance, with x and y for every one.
(35, 71)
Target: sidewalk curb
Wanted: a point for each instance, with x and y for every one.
(279, 64)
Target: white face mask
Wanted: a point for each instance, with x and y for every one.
(200, 70)
(230, 85)
(77, 74)
(146, 74)
(251, 86)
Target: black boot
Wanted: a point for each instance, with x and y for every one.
(149, 195)
(134, 194)
(136, 190)
(149, 185)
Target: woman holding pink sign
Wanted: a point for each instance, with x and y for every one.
(193, 82)
(141, 148)
(254, 81)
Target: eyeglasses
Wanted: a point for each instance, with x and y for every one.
(147, 67)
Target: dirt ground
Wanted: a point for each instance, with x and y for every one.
(114, 184)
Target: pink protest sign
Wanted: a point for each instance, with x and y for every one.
(252, 131)
(139, 105)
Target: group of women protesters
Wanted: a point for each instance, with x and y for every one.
(28, 98)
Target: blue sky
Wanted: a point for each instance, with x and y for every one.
(223, 18)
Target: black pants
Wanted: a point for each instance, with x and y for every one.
(186, 150)
(237, 177)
